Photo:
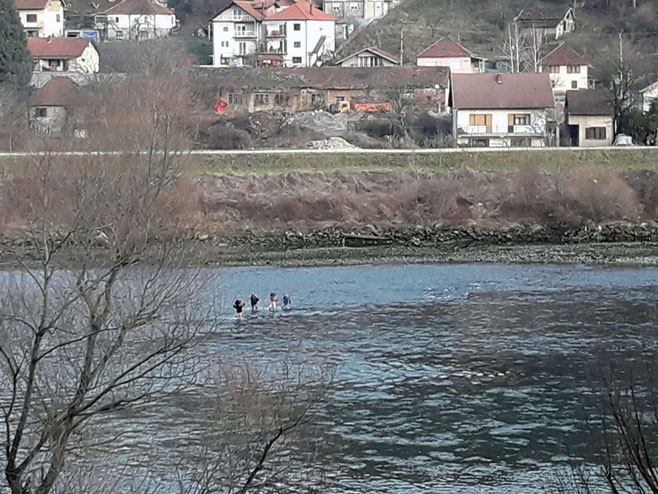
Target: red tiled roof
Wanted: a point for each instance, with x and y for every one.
(249, 9)
(445, 48)
(502, 91)
(127, 7)
(58, 91)
(563, 55)
(376, 51)
(30, 4)
(57, 47)
(301, 11)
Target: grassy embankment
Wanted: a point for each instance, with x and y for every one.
(549, 161)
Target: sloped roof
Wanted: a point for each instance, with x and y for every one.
(445, 48)
(301, 11)
(59, 91)
(542, 14)
(514, 91)
(250, 9)
(374, 50)
(30, 4)
(650, 87)
(588, 102)
(342, 78)
(57, 47)
(127, 7)
(563, 55)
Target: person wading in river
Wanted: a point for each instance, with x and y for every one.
(287, 302)
(273, 301)
(253, 300)
(238, 305)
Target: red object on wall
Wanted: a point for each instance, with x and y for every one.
(221, 105)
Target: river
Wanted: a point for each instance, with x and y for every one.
(448, 378)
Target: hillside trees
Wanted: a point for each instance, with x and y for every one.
(15, 68)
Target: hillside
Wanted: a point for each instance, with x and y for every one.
(480, 26)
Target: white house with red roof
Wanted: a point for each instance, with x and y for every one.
(136, 20)
(568, 70)
(64, 55)
(41, 18)
(272, 33)
(369, 57)
(451, 54)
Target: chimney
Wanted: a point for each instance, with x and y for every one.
(499, 79)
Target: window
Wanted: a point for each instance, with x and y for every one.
(522, 119)
(118, 34)
(554, 69)
(281, 99)
(595, 133)
(354, 6)
(31, 18)
(478, 120)
(317, 100)
(296, 59)
(574, 84)
(261, 99)
(116, 19)
(297, 27)
(237, 14)
(58, 18)
(336, 8)
(298, 44)
(42, 112)
(226, 29)
(573, 69)
(234, 99)
(340, 99)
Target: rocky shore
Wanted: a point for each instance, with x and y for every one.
(624, 244)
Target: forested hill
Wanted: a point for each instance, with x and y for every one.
(480, 25)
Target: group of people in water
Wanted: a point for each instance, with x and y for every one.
(239, 305)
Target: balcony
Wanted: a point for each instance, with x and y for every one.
(277, 32)
(502, 130)
(245, 34)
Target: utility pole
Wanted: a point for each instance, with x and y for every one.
(401, 46)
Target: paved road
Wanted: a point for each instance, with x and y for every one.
(207, 152)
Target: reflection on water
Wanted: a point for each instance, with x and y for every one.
(449, 378)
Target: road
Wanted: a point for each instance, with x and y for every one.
(209, 152)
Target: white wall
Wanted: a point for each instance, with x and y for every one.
(500, 124)
(226, 39)
(364, 59)
(49, 21)
(563, 81)
(648, 97)
(586, 121)
(153, 26)
(457, 65)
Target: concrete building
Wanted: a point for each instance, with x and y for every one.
(52, 108)
(136, 20)
(357, 9)
(590, 117)
(237, 35)
(369, 57)
(451, 54)
(567, 69)
(41, 18)
(649, 95)
(502, 110)
(64, 55)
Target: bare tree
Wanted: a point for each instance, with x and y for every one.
(535, 48)
(99, 317)
(513, 47)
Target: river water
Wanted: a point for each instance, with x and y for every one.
(448, 378)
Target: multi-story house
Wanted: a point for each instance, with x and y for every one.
(136, 20)
(552, 23)
(357, 9)
(64, 55)
(41, 18)
(567, 69)
(451, 54)
(502, 110)
(300, 35)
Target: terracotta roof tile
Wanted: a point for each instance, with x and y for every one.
(502, 91)
(563, 55)
(250, 9)
(301, 11)
(30, 4)
(445, 48)
(57, 47)
(58, 91)
(376, 51)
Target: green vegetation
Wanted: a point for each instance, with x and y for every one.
(557, 160)
(15, 66)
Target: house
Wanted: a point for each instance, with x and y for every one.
(649, 96)
(64, 55)
(136, 20)
(451, 54)
(501, 110)
(247, 90)
(247, 33)
(567, 69)
(357, 9)
(301, 34)
(590, 117)
(81, 26)
(53, 108)
(369, 57)
(41, 18)
(552, 23)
